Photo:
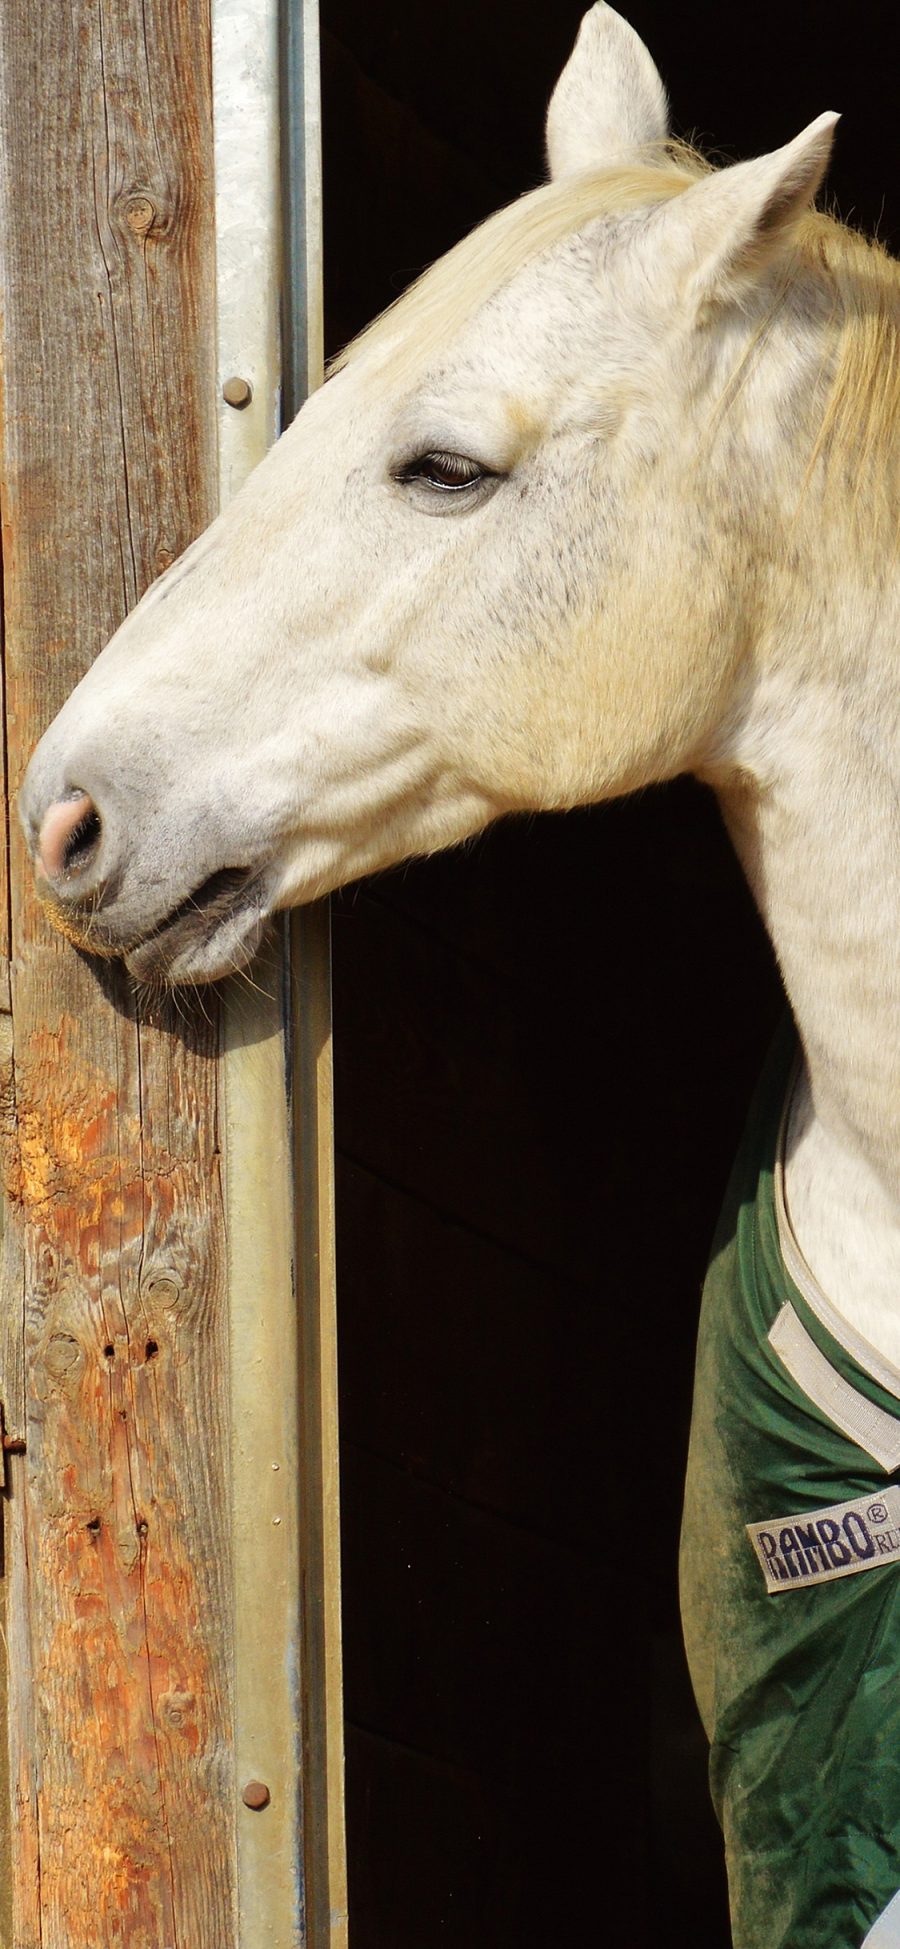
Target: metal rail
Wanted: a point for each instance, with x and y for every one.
(277, 1070)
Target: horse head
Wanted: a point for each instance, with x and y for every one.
(519, 552)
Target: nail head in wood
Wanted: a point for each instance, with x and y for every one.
(256, 1795)
(238, 392)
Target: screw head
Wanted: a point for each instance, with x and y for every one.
(256, 1795)
(237, 392)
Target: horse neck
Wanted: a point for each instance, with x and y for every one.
(812, 801)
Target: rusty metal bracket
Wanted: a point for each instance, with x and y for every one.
(9, 1445)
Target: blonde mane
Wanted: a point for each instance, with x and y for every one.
(419, 324)
(856, 442)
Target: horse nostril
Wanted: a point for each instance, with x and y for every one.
(82, 840)
(69, 837)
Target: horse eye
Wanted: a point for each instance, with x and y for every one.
(447, 471)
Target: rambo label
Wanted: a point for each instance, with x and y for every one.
(822, 1544)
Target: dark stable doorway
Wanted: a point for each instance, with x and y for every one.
(544, 1049)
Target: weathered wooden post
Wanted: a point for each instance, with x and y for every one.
(170, 1503)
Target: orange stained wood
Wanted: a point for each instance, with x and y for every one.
(113, 1335)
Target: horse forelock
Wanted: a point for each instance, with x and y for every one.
(420, 323)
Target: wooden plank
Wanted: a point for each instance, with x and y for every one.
(324, 1823)
(120, 1589)
(21, 1843)
(266, 1453)
(277, 1074)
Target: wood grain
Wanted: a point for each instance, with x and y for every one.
(114, 1334)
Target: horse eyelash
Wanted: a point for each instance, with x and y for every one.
(415, 469)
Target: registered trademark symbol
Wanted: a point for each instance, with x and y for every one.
(877, 1512)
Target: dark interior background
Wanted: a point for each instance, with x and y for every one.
(544, 1050)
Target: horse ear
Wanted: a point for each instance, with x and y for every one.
(730, 224)
(609, 102)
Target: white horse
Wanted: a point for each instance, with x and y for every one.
(610, 495)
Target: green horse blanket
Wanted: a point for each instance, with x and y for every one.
(791, 1576)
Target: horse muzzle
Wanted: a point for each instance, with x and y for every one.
(106, 899)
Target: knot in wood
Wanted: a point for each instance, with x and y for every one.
(161, 1289)
(62, 1354)
(178, 1708)
(140, 213)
